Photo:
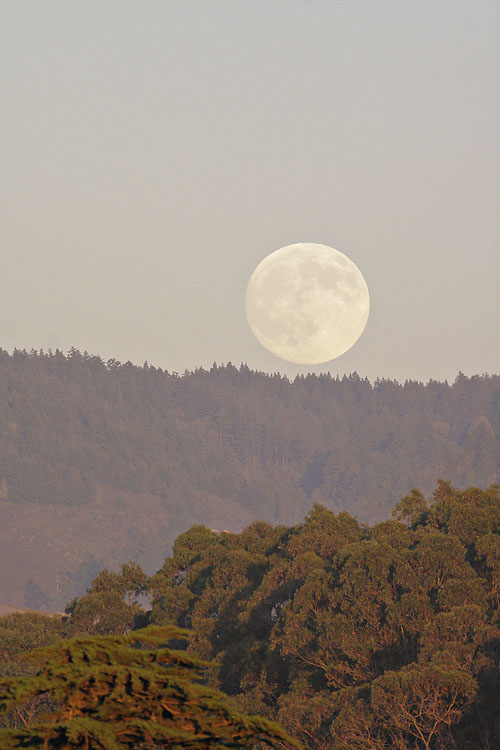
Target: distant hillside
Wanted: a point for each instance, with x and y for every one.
(5, 609)
(103, 462)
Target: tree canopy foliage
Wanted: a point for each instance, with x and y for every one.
(119, 692)
(349, 636)
(22, 632)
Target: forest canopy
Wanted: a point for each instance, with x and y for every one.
(348, 635)
(69, 423)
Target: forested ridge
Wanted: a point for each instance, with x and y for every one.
(69, 423)
(115, 460)
(350, 636)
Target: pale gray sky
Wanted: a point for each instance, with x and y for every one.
(154, 152)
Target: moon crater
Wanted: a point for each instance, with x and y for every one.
(307, 303)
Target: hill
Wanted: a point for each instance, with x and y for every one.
(102, 462)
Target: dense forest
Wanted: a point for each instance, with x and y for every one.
(351, 636)
(103, 461)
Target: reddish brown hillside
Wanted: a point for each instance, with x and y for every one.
(50, 552)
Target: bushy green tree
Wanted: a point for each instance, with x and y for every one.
(25, 631)
(111, 603)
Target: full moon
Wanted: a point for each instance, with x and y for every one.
(307, 303)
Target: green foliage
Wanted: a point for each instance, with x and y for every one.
(21, 632)
(411, 508)
(118, 692)
(349, 636)
(110, 604)
(415, 707)
(353, 636)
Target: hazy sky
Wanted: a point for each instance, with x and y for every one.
(154, 152)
